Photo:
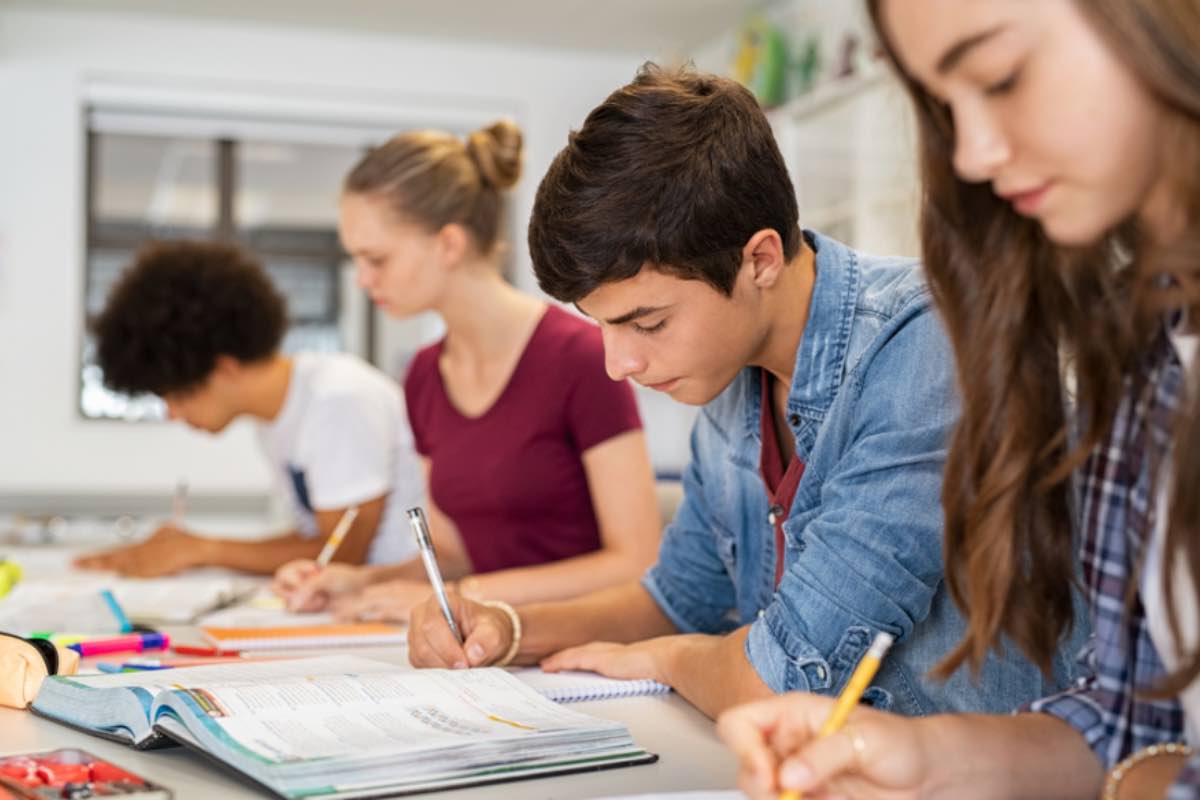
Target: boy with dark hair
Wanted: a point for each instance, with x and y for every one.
(200, 324)
(811, 517)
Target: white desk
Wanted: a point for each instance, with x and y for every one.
(690, 756)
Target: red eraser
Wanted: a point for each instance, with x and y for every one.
(55, 773)
(22, 770)
(104, 772)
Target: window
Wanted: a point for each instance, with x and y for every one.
(277, 198)
(224, 161)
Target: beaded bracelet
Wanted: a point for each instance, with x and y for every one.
(516, 626)
(1118, 773)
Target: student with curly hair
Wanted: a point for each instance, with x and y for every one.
(200, 324)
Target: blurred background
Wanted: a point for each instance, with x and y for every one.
(122, 120)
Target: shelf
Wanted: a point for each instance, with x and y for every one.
(829, 95)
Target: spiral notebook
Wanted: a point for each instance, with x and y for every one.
(578, 687)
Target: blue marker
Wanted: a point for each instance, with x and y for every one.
(115, 608)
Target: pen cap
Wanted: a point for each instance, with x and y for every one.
(155, 641)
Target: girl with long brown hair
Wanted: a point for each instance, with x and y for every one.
(1060, 153)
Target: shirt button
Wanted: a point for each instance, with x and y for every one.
(820, 673)
(762, 612)
(794, 419)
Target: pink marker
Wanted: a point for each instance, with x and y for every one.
(133, 643)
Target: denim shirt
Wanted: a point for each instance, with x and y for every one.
(871, 407)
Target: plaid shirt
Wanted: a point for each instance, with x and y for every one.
(1117, 509)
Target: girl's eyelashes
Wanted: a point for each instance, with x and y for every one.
(1004, 86)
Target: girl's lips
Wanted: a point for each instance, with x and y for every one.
(1027, 202)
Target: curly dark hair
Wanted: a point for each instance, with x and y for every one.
(179, 306)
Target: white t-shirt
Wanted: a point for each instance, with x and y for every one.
(1183, 586)
(342, 438)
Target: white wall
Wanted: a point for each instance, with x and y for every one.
(849, 143)
(47, 57)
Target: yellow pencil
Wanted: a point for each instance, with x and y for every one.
(852, 692)
(339, 532)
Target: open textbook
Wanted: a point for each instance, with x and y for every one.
(345, 726)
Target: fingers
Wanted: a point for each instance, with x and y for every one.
(572, 658)
(308, 590)
(104, 559)
(430, 642)
(744, 733)
(763, 732)
(119, 562)
(94, 561)
(292, 575)
(337, 578)
(824, 760)
(488, 637)
(593, 656)
(305, 598)
(307, 603)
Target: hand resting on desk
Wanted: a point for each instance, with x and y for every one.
(167, 551)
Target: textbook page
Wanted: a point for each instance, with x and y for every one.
(372, 713)
(248, 671)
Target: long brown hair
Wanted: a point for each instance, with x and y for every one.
(1023, 312)
(435, 178)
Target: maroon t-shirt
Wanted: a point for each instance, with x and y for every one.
(512, 480)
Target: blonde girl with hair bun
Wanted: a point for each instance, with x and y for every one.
(539, 484)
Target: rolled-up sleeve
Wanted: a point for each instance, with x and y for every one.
(867, 556)
(1081, 705)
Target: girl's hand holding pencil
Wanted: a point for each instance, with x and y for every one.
(829, 747)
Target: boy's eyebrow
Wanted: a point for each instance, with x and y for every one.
(955, 54)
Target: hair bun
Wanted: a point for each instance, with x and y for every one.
(496, 151)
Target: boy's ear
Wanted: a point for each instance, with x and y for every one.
(764, 254)
(227, 367)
